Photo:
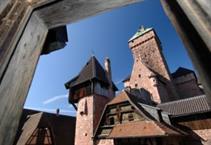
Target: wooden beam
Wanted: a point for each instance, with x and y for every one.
(13, 19)
(18, 76)
(68, 11)
(12, 25)
(191, 18)
(56, 39)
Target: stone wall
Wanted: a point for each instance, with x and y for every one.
(141, 78)
(147, 48)
(84, 122)
(88, 114)
(187, 86)
(149, 62)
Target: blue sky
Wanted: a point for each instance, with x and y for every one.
(104, 35)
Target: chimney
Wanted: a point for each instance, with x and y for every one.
(109, 75)
(57, 112)
(108, 69)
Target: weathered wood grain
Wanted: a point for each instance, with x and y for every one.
(11, 28)
(4, 4)
(67, 11)
(13, 21)
(18, 77)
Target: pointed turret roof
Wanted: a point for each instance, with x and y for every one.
(92, 70)
(140, 32)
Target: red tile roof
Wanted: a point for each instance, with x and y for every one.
(141, 129)
(121, 97)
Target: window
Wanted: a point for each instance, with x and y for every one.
(111, 120)
(139, 75)
(130, 117)
(136, 85)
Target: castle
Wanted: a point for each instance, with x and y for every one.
(151, 108)
(155, 107)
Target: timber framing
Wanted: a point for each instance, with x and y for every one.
(25, 25)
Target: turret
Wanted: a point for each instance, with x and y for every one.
(91, 90)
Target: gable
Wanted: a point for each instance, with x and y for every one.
(121, 113)
(41, 136)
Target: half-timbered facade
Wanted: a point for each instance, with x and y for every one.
(41, 128)
(128, 120)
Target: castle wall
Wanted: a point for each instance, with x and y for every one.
(187, 86)
(88, 114)
(84, 122)
(141, 77)
(147, 47)
(147, 50)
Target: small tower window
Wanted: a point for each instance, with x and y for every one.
(136, 85)
(130, 117)
(139, 75)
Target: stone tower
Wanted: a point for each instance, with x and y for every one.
(91, 90)
(150, 70)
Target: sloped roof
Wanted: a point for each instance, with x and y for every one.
(138, 102)
(122, 96)
(92, 70)
(181, 71)
(141, 129)
(151, 125)
(29, 127)
(187, 106)
(140, 32)
(62, 127)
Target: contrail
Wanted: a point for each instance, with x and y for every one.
(55, 98)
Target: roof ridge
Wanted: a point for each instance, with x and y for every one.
(93, 66)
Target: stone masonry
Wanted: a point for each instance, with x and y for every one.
(150, 70)
(88, 114)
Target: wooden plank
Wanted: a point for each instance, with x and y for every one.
(11, 28)
(4, 4)
(13, 20)
(67, 11)
(18, 77)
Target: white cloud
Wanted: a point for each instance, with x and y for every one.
(55, 98)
